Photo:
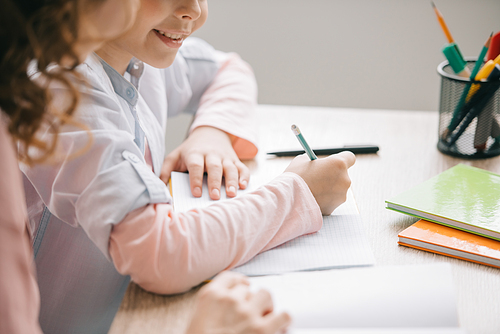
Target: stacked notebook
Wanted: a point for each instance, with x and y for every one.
(460, 215)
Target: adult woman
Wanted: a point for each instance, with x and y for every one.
(52, 32)
(50, 38)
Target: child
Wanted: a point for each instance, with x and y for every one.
(112, 197)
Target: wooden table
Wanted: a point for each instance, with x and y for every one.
(407, 157)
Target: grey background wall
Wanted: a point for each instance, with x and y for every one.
(379, 54)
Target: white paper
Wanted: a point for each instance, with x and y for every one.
(407, 296)
(340, 243)
(453, 330)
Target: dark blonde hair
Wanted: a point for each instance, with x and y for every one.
(36, 34)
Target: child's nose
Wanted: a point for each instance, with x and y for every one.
(188, 10)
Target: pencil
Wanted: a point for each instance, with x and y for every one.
(468, 88)
(442, 23)
(477, 102)
(480, 59)
(303, 142)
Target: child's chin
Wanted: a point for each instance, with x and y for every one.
(161, 62)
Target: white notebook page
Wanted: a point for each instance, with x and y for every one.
(409, 296)
(425, 330)
(340, 243)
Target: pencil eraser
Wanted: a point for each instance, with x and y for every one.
(457, 63)
(494, 49)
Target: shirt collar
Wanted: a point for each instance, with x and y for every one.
(125, 89)
(135, 69)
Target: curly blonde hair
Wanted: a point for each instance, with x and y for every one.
(35, 35)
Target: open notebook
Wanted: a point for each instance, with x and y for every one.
(409, 299)
(340, 243)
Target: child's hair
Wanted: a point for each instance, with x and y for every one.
(34, 36)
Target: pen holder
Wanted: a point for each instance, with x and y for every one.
(469, 115)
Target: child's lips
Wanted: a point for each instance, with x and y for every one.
(169, 39)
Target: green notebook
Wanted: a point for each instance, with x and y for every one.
(462, 197)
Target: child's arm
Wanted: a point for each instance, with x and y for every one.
(227, 106)
(167, 252)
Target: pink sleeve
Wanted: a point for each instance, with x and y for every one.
(229, 104)
(19, 296)
(167, 252)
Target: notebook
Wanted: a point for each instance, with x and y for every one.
(341, 243)
(448, 241)
(380, 299)
(452, 330)
(461, 197)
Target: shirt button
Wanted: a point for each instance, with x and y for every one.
(130, 92)
(130, 156)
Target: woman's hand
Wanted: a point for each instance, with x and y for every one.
(226, 305)
(327, 178)
(208, 150)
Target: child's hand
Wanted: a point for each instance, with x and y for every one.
(226, 305)
(208, 150)
(327, 178)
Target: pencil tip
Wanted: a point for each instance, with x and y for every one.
(433, 5)
(487, 44)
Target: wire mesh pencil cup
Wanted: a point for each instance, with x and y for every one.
(469, 115)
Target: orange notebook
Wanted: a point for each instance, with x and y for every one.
(448, 241)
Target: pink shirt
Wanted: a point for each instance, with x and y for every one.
(19, 296)
(229, 104)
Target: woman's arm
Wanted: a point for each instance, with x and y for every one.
(19, 295)
(226, 305)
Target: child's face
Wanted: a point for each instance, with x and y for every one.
(160, 28)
